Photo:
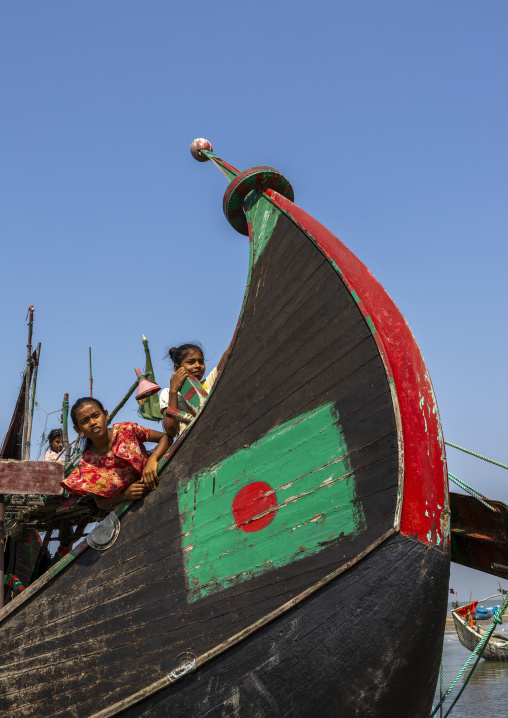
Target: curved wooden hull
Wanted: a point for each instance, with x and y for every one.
(310, 494)
(495, 650)
(342, 652)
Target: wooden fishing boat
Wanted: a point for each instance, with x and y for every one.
(470, 633)
(479, 534)
(306, 502)
(30, 501)
(24, 555)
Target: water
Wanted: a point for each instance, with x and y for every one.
(486, 694)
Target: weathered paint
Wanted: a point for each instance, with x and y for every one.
(182, 416)
(425, 470)
(262, 217)
(200, 144)
(228, 170)
(311, 503)
(371, 324)
(255, 178)
(193, 393)
(31, 477)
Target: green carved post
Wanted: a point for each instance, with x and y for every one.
(90, 369)
(65, 430)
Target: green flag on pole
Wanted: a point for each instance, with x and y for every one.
(149, 407)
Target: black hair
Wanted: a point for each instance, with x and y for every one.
(85, 442)
(54, 434)
(178, 354)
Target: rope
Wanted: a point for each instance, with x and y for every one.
(43, 440)
(441, 686)
(478, 456)
(479, 649)
(473, 492)
(11, 581)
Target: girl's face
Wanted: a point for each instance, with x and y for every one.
(91, 421)
(194, 362)
(56, 444)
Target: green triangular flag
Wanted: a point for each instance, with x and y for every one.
(149, 408)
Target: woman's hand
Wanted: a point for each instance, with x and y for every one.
(131, 493)
(149, 477)
(177, 380)
(134, 492)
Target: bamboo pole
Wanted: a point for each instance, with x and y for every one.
(28, 377)
(65, 432)
(90, 365)
(32, 401)
(126, 397)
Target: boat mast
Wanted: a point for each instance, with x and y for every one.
(35, 363)
(28, 377)
(90, 367)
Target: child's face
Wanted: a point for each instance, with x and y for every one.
(56, 444)
(91, 421)
(194, 362)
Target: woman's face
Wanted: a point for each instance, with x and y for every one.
(56, 444)
(194, 362)
(91, 421)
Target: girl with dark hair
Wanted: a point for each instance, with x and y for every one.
(115, 466)
(55, 445)
(188, 360)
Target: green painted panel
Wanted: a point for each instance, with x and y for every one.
(308, 500)
(263, 216)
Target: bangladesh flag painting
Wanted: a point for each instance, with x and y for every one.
(286, 496)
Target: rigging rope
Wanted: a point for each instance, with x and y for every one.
(478, 456)
(44, 438)
(473, 492)
(441, 686)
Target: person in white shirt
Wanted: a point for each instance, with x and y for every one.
(188, 360)
(55, 446)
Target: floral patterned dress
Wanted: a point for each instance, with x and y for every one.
(109, 474)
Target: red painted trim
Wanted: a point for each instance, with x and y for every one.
(425, 471)
(223, 165)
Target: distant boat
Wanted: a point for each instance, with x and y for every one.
(484, 614)
(470, 635)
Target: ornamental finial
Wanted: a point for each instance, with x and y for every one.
(197, 146)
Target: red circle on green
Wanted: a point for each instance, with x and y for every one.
(254, 506)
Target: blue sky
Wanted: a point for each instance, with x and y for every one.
(388, 118)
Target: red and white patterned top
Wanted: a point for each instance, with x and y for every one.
(109, 474)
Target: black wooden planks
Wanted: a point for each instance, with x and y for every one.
(118, 621)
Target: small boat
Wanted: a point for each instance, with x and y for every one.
(470, 633)
(294, 559)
